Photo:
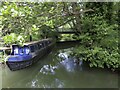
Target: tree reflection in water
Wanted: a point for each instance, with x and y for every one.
(70, 63)
(48, 69)
(44, 83)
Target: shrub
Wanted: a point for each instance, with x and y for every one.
(99, 45)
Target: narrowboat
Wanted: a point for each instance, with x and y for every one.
(28, 54)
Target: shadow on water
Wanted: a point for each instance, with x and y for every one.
(60, 70)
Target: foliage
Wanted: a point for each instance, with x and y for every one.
(99, 44)
(67, 37)
(13, 39)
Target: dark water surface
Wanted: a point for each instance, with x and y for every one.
(59, 70)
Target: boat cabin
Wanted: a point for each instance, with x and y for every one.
(17, 50)
(28, 48)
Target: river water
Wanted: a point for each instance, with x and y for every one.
(59, 70)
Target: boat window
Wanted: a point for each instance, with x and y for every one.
(35, 47)
(16, 50)
(26, 50)
(49, 42)
(21, 51)
(40, 45)
(45, 43)
(32, 48)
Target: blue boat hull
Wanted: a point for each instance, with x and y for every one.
(17, 58)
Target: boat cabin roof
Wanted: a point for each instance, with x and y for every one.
(33, 42)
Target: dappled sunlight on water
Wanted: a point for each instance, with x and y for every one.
(48, 69)
(56, 83)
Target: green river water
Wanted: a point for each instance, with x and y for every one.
(59, 70)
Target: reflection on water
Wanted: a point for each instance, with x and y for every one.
(48, 69)
(59, 70)
(56, 83)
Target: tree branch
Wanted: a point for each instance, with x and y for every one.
(63, 23)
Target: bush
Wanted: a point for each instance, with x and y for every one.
(13, 39)
(99, 45)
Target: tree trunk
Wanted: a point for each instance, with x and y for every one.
(77, 22)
